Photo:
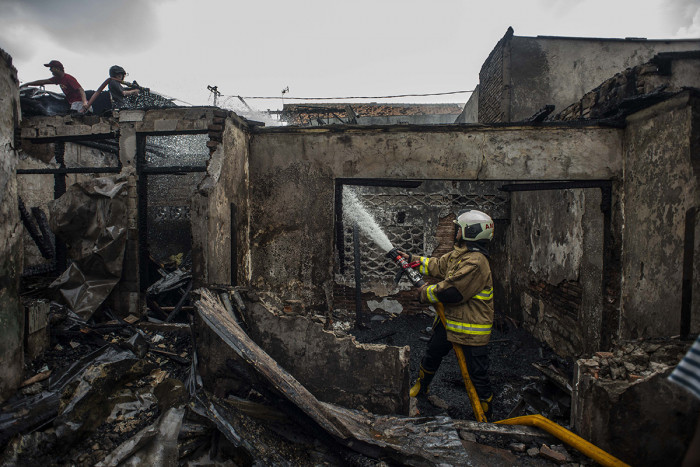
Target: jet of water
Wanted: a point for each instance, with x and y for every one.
(355, 212)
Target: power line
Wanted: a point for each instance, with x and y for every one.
(354, 97)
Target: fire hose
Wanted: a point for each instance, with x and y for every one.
(556, 430)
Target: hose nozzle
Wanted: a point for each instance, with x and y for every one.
(412, 274)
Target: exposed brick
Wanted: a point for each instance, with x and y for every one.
(551, 454)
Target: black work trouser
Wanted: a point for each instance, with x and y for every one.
(477, 358)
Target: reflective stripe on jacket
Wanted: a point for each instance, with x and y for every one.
(470, 319)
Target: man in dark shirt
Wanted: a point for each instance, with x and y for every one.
(69, 85)
(117, 93)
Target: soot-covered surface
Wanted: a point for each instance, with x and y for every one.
(512, 351)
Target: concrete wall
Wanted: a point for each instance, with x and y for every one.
(292, 173)
(523, 74)
(661, 186)
(470, 114)
(338, 370)
(684, 73)
(11, 312)
(623, 402)
(226, 183)
(555, 245)
(671, 72)
(559, 70)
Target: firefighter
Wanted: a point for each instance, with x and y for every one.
(465, 289)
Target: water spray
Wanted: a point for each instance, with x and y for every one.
(357, 214)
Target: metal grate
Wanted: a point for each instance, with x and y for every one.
(409, 217)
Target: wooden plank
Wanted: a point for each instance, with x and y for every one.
(408, 440)
(515, 431)
(222, 323)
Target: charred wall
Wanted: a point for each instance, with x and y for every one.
(11, 312)
(661, 228)
(220, 228)
(651, 82)
(560, 70)
(338, 370)
(555, 247)
(523, 74)
(292, 218)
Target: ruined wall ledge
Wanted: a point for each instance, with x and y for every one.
(441, 128)
(172, 120)
(66, 126)
(169, 120)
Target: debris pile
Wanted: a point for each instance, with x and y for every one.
(96, 386)
(635, 360)
(527, 378)
(112, 391)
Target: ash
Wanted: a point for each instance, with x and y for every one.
(514, 379)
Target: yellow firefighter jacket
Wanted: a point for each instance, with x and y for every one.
(466, 291)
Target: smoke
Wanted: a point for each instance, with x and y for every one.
(87, 26)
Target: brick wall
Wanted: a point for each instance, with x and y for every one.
(564, 298)
(491, 85)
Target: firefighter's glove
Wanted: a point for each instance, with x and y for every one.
(407, 256)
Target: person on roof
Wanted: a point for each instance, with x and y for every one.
(117, 93)
(74, 92)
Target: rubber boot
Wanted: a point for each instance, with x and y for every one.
(487, 407)
(422, 384)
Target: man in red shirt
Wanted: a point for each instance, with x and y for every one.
(69, 85)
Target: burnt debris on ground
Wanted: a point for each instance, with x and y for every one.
(109, 390)
(512, 353)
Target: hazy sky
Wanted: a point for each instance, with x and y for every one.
(317, 48)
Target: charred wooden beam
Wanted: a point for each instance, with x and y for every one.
(406, 440)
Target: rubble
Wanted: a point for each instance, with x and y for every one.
(619, 392)
(635, 360)
(117, 391)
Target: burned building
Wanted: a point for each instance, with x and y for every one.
(524, 74)
(594, 254)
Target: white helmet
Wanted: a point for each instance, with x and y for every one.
(474, 225)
